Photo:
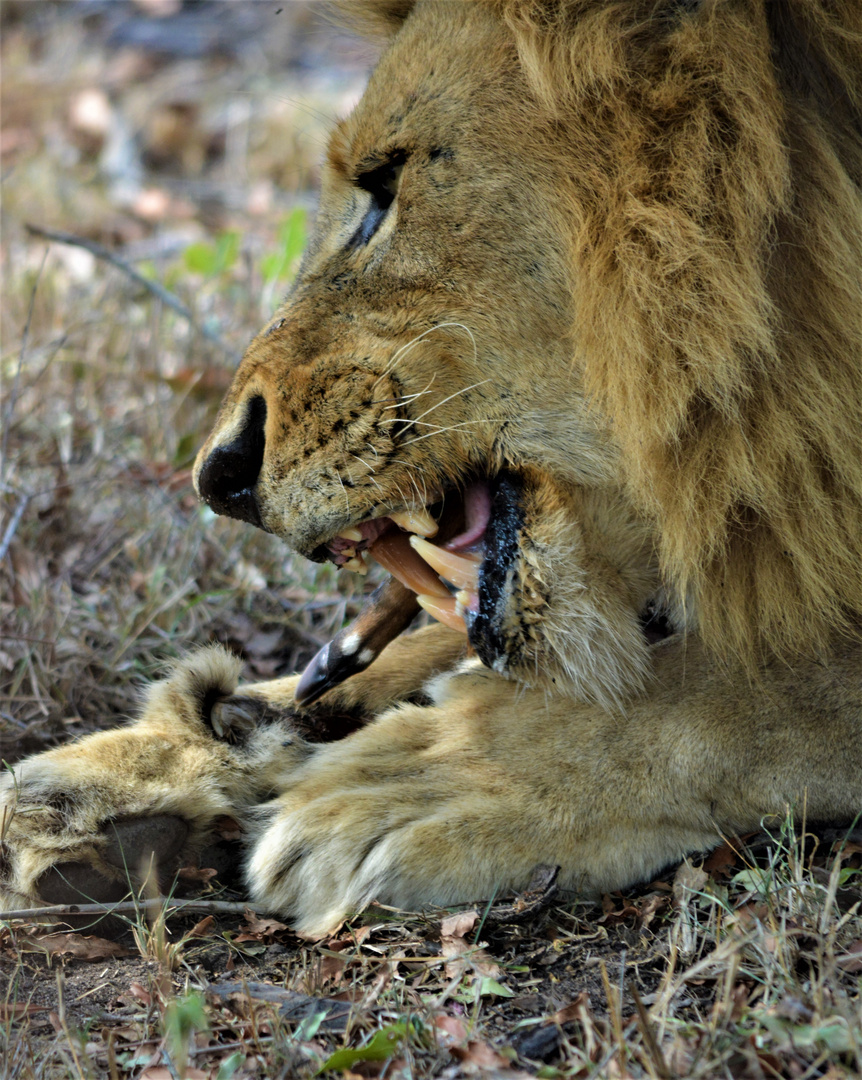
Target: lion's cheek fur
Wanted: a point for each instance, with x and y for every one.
(568, 597)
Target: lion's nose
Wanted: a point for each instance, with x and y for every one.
(227, 478)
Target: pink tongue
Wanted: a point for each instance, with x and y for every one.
(477, 513)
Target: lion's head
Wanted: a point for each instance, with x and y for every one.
(586, 281)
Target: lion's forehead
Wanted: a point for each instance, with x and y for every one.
(429, 86)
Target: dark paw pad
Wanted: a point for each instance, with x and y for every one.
(135, 844)
(78, 883)
(133, 847)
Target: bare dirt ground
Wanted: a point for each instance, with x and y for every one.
(184, 140)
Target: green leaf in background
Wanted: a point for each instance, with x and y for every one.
(200, 258)
(291, 243)
(213, 259)
(227, 249)
(382, 1045)
(183, 1017)
(487, 987)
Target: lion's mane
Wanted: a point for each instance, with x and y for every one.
(715, 156)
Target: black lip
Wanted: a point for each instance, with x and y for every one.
(485, 627)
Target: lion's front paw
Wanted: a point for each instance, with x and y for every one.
(93, 819)
(421, 807)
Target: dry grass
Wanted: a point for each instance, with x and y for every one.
(750, 967)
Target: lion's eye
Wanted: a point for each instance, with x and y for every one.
(382, 185)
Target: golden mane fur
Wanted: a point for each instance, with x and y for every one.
(718, 254)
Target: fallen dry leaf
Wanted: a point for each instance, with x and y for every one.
(14, 1010)
(79, 946)
(481, 1054)
(202, 928)
(852, 959)
(256, 928)
(451, 1030)
(459, 925)
(687, 880)
(196, 873)
(612, 914)
(576, 1010)
(139, 993)
(720, 861)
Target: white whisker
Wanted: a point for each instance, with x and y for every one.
(415, 341)
(457, 393)
(451, 427)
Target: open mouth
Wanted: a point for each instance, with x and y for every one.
(435, 552)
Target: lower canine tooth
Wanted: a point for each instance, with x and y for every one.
(415, 521)
(356, 564)
(466, 601)
(443, 611)
(461, 570)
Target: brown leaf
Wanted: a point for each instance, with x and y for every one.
(650, 906)
(687, 880)
(14, 1010)
(80, 946)
(613, 915)
(576, 1010)
(196, 873)
(202, 928)
(481, 1054)
(140, 994)
(723, 859)
(256, 928)
(458, 925)
(852, 959)
(451, 1030)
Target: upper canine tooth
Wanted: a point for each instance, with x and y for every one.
(415, 521)
(461, 569)
(351, 534)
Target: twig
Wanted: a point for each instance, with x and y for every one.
(159, 291)
(131, 907)
(23, 501)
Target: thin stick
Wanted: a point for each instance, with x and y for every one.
(131, 907)
(23, 500)
(159, 291)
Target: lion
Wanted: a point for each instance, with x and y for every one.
(576, 352)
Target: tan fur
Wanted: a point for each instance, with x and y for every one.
(451, 801)
(623, 263)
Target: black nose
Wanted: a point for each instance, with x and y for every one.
(228, 476)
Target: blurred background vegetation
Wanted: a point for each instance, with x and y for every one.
(184, 138)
